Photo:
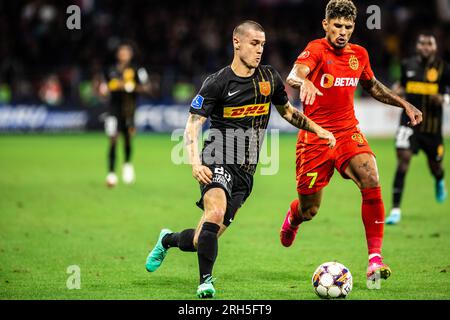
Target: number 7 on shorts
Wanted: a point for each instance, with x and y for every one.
(313, 180)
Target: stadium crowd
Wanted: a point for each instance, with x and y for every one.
(180, 42)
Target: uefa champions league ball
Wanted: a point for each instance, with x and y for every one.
(332, 280)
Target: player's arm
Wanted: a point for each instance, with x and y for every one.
(299, 120)
(383, 94)
(297, 79)
(200, 172)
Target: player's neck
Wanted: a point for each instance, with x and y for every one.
(240, 69)
(122, 64)
(428, 60)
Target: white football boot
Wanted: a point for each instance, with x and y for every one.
(111, 180)
(128, 175)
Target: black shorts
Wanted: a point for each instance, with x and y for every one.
(236, 183)
(115, 124)
(431, 144)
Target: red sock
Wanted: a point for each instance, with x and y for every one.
(295, 214)
(373, 218)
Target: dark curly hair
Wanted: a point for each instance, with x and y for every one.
(341, 9)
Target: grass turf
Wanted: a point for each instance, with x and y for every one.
(55, 211)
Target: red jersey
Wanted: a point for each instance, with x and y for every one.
(336, 73)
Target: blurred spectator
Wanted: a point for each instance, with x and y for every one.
(182, 42)
(51, 91)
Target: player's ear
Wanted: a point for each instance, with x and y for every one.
(236, 43)
(325, 25)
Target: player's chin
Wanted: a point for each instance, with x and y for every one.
(340, 45)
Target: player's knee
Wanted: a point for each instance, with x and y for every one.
(215, 215)
(309, 213)
(403, 166)
(370, 181)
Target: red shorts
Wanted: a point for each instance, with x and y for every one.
(316, 161)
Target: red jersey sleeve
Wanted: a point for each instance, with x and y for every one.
(311, 56)
(367, 73)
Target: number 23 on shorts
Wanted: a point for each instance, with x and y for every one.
(313, 180)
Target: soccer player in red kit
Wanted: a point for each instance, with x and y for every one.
(327, 73)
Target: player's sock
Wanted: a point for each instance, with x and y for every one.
(399, 182)
(183, 240)
(207, 249)
(294, 217)
(373, 218)
(112, 158)
(127, 147)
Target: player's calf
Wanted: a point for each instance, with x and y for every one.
(293, 219)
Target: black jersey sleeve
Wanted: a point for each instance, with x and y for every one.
(279, 96)
(207, 98)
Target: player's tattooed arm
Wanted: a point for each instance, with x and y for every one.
(383, 94)
(299, 120)
(297, 79)
(191, 135)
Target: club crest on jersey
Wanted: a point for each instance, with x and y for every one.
(432, 75)
(358, 138)
(264, 88)
(128, 74)
(353, 62)
(197, 102)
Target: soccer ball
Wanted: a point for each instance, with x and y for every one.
(332, 280)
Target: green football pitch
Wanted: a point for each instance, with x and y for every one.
(55, 212)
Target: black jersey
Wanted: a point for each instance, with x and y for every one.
(239, 109)
(123, 101)
(421, 81)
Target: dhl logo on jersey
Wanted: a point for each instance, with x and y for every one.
(250, 110)
(328, 81)
(422, 88)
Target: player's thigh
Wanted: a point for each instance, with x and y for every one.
(314, 168)
(215, 204)
(363, 170)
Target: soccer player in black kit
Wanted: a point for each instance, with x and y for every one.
(124, 81)
(237, 99)
(425, 79)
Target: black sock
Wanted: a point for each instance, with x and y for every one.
(112, 158)
(183, 240)
(127, 148)
(207, 249)
(439, 175)
(399, 183)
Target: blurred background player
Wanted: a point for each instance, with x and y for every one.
(237, 99)
(327, 73)
(124, 81)
(425, 77)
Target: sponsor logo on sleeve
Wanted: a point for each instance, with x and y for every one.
(304, 55)
(197, 102)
